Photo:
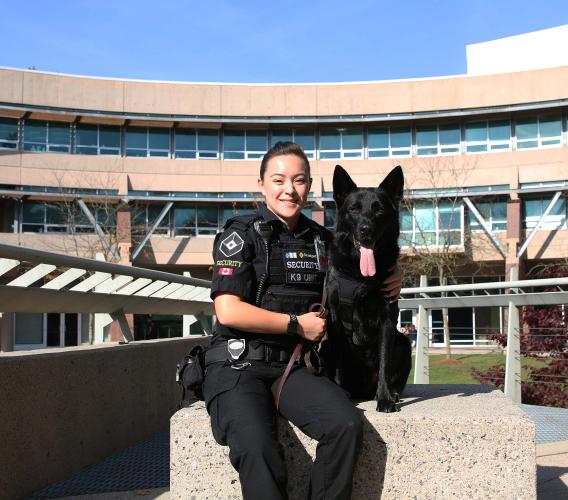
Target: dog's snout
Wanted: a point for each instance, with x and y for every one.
(364, 229)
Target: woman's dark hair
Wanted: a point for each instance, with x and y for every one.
(284, 148)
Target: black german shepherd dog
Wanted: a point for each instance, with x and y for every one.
(366, 354)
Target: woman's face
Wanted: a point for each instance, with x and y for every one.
(285, 186)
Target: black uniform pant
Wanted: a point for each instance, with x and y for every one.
(244, 418)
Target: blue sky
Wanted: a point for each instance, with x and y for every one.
(261, 41)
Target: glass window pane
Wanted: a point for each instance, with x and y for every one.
(425, 217)
(405, 220)
(450, 216)
(59, 133)
(87, 135)
(207, 220)
(306, 139)
(159, 138)
(257, 140)
(232, 155)
(559, 207)
(109, 136)
(208, 140)
(33, 212)
(500, 131)
(185, 139)
(35, 131)
(477, 148)
(153, 213)
(8, 129)
(29, 329)
(381, 153)
(330, 139)
(533, 207)
(426, 136)
(184, 219)
(551, 127)
(476, 132)
(329, 155)
(329, 216)
(527, 129)
(449, 134)
(234, 140)
(352, 138)
(499, 210)
(281, 135)
(400, 137)
(55, 213)
(136, 137)
(378, 138)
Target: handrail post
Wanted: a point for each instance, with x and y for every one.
(421, 361)
(513, 362)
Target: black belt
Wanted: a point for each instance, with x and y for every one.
(253, 352)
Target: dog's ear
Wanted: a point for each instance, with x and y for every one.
(342, 185)
(394, 184)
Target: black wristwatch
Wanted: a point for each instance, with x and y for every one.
(292, 325)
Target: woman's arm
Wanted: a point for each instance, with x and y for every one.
(232, 311)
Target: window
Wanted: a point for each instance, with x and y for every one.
(488, 136)
(341, 143)
(196, 143)
(329, 216)
(54, 217)
(147, 142)
(304, 138)
(184, 221)
(97, 140)
(427, 224)
(41, 136)
(8, 133)
(539, 132)
(244, 144)
(207, 220)
(385, 141)
(438, 140)
(534, 208)
(494, 213)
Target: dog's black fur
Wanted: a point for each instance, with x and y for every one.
(374, 358)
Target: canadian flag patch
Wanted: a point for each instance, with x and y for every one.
(225, 271)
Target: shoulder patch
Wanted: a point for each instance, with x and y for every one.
(231, 245)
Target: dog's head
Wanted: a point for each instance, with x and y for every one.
(368, 217)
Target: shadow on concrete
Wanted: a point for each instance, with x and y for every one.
(180, 249)
(550, 486)
(298, 462)
(410, 395)
(546, 243)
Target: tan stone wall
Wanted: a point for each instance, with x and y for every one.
(64, 409)
(427, 94)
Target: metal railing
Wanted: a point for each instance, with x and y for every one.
(511, 294)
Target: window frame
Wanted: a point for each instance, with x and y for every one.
(491, 146)
(49, 147)
(15, 142)
(200, 154)
(147, 149)
(438, 146)
(539, 139)
(390, 150)
(98, 148)
(252, 154)
(344, 153)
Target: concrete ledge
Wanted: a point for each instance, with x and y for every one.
(448, 441)
(64, 409)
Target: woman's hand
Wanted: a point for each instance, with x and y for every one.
(392, 284)
(311, 326)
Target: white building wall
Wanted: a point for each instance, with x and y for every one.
(536, 50)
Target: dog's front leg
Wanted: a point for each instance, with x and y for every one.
(386, 400)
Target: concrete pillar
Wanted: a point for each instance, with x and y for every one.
(318, 214)
(421, 360)
(514, 235)
(7, 332)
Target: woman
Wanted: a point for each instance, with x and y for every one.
(266, 276)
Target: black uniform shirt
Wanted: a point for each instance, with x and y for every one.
(240, 260)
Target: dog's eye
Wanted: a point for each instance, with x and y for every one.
(376, 206)
(356, 207)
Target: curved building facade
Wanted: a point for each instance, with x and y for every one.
(160, 166)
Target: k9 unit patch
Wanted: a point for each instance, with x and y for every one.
(301, 266)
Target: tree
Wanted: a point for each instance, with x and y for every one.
(435, 243)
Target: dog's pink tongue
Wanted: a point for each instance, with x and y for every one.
(367, 262)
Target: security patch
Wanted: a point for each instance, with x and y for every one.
(228, 263)
(231, 245)
(301, 267)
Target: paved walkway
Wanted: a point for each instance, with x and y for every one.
(142, 471)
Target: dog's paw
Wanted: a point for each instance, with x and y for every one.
(386, 406)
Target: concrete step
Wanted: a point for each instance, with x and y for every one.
(448, 441)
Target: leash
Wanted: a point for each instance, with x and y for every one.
(322, 313)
